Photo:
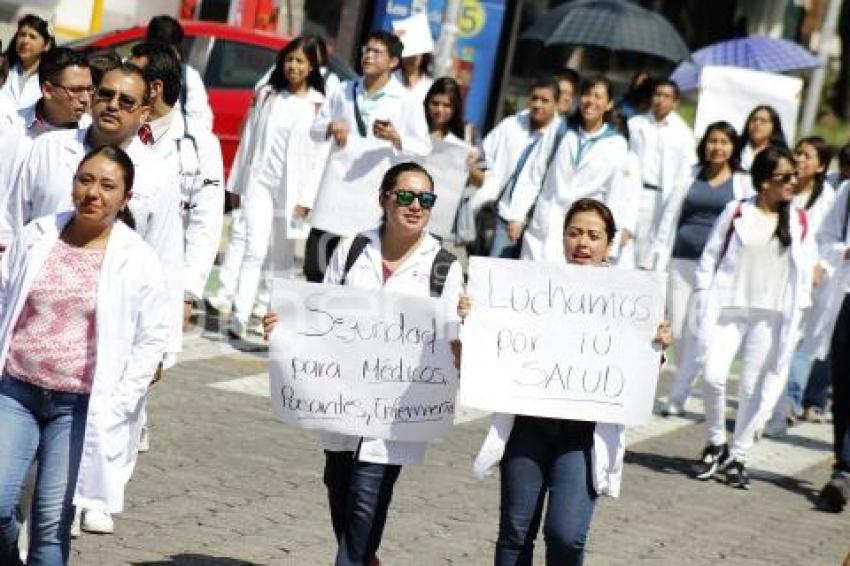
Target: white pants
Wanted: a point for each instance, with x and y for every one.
(756, 333)
(681, 313)
(647, 220)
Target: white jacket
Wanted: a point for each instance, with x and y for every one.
(583, 166)
(19, 91)
(197, 103)
(715, 275)
(658, 253)
(676, 139)
(132, 330)
(201, 174)
(43, 188)
(411, 278)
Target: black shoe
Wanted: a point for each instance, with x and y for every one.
(736, 474)
(835, 493)
(711, 460)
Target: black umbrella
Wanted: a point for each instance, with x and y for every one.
(611, 24)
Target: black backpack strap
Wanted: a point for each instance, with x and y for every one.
(357, 246)
(184, 90)
(361, 124)
(440, 271)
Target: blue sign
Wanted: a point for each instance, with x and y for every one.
(479, 35)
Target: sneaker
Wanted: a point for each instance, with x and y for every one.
(672, 409)
(76, 531)
(836, 492)
(813, 415)
(255, 326)
(236, 330)
(218, 304)
(144, 441)
(736, 474)
(775, 428)
(97, 522)
(713, 457)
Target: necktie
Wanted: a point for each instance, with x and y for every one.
(146, 134)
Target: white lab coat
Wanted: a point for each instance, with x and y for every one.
(201, 174)
(715, 274)
(658, 254)
(20, 91)
(420, 90)
(411, 278)
(197, 103)
(43, 188)
(820, 208)
(676, 141)
(396, 105)
(594, 172)
(132, 330)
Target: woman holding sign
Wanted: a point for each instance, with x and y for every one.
(573, 461)
(752, 282)
(400, 257)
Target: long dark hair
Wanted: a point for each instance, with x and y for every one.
(777, 135)
(311, 46)
(761, 171)
(39, 25)
(128, 173)
(610, 117)
(825, 152)
(449, 87)
(727, 130)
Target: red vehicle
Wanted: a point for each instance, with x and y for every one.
(230, 59)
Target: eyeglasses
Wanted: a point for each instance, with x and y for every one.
(77, 91)
(404, 197)
(784, 178)
(125, 102)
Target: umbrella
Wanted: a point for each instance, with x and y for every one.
(611, 24)
(757, 53)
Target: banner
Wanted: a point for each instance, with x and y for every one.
(447, 165)
(347, 200)
(361, 362)
(561, 341)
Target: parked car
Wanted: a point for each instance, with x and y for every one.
(230, 59)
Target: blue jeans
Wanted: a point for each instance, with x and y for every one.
(359, 495)
(554, 456)
(817, 390)
(502, 246)
(808, 381)
(49, 426)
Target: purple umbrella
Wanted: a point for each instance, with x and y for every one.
(757, 53)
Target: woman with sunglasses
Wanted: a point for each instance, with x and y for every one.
(276, 170)
(32, 39)
(684, 226)
(572, 462)
(752, 282)
(397, 257)
(75, 389)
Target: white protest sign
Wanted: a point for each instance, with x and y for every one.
(447, 165)
(415, 34)
(562, 341)
(347, 201)
(730, 94)
(361, 362)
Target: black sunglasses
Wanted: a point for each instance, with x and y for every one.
(404, 197)
(784, 178)
(125, 102)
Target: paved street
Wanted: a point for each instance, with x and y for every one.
(226, 485)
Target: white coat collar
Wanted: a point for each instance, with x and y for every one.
(162, 125)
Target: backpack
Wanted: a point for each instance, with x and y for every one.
(439, 268)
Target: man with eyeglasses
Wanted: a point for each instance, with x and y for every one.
(66, 87)
(195, 153)
(374, 105)
(119, 107)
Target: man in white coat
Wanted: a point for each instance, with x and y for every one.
(196, 154)
(66, 88)
(375, 105)
(664, 145)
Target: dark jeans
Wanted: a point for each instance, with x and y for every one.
(318, 251)
(359, 495)
(554, 456)
(840, 352)
(817, 389)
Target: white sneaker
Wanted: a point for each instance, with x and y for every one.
(221, 304)
(237, 329)
(144, 441)
(672, 409)
(97, 522)
(76, 531)
(259, 310)
(255, 326)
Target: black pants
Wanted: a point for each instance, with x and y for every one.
(318, 251)
(840, 352)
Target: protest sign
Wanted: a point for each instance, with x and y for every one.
(361, 362)
(730, 94)
(347, 201)
(447, 166)
(562, 341)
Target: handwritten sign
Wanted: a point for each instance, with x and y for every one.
(562, 341)
(361, 362)
(447, 166)
(347, 200)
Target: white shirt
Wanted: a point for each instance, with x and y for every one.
(819, 209)
(665, 149)
(201, 174)
(410, 278)
(197, 103)
(19, 89)
(418, 91)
